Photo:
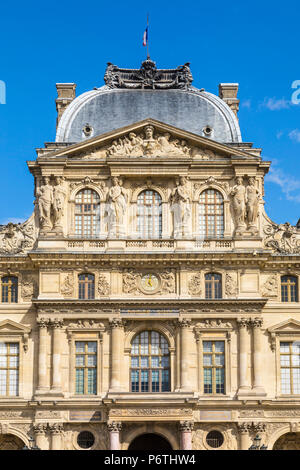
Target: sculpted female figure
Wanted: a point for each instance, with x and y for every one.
(117, 200)
(252, 196)
(238, 204)
(58, 202)
(45, 201)
(180, 199)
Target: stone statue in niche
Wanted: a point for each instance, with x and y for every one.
(181, 207)
(252, 201)
(59, 196)
(117, 200)
(239, 205)
(45, 201)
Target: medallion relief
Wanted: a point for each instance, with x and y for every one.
(148, 282)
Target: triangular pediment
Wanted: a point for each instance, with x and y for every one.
(150, 138)
(287, 326)
(11, 327)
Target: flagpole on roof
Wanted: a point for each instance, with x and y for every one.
(148, 56)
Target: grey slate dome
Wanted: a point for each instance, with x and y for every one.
(132, 95)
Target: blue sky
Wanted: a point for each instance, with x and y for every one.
(254, 43)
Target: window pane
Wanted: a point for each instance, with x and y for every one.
(285, 381)
(150, 355)
(211, 214)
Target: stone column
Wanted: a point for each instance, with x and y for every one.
(57, 325)
(114, 429)
(186, 428)
(43, 384)
(184, 324)
(56, 430)
(116, 326)
(39, 430)
(257, 359)
(244, 387)
(244, 429)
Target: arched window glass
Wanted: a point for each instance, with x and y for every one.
(87, 213)
(211, 214)
(289, 289)
(149, 214)
(213, 286)
(86, 286)
(150, 363)
(9, 289)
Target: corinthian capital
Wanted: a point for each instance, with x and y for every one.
(256, 322)
(43, 322)
(57, 323)
(244, 428)
(243, 322)
(184, 322)
(259, 427)
(116, 323)
(114, 426)
(56, 428)
(40, 428)
(186, 426)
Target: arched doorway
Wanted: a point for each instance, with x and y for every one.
(150, 441)
(10, 442)
(289, 441)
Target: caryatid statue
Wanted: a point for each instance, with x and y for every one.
(239, 204)
(181, 205)
(117, 200)
(45, 200)
(59, 196)
(252, 204)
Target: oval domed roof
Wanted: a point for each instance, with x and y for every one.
(108, 108)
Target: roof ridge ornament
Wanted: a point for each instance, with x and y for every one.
(148, 77)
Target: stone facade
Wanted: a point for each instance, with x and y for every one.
(47, 255)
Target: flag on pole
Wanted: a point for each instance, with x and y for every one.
(145, 37)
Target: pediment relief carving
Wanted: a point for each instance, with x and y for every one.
(153, 143)
(148, 141)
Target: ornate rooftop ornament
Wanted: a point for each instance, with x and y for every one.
(148, 76)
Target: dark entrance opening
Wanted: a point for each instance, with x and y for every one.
(150, 442)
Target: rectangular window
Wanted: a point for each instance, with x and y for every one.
(86, 367)
(290, 368)
(9, 369)
(214, 366)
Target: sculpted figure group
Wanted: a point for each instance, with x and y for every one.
(151, 144)
(50, 200)
(245, 205)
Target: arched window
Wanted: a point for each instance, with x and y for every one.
(289, 289)
(86, 286)
(213, 286)
(211, 214)
(87, 213)
(150, 363)
(9, 289)
(149, 214)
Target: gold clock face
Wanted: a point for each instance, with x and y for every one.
(149, 282)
